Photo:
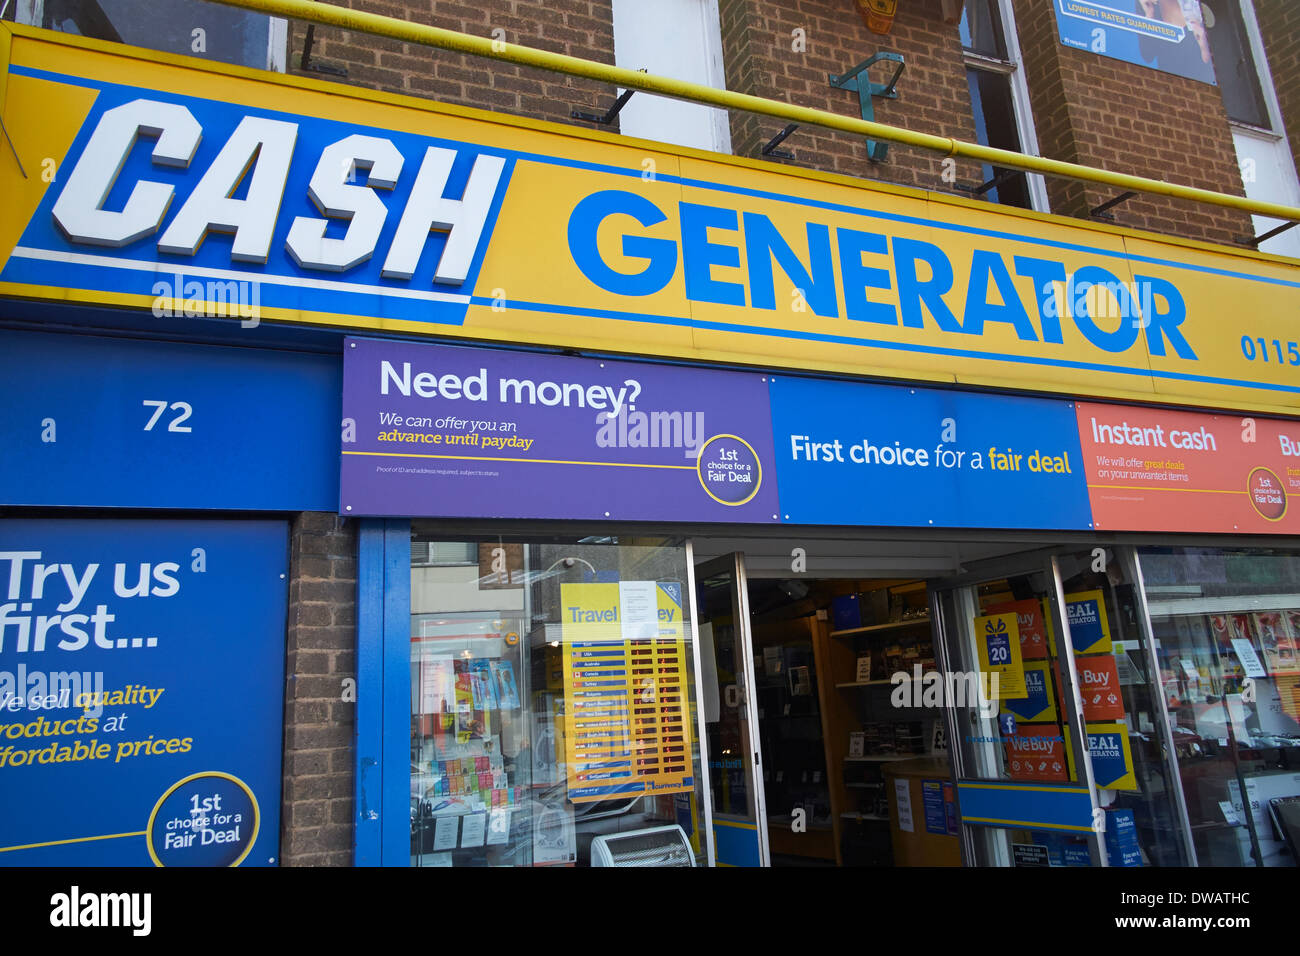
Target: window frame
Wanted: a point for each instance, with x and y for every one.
(1263, 75)
(1020, 105)
(709, 27)
(32, 12)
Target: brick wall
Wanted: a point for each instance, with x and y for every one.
(316, 824)
(1279, 25)
(582, 28)
(764, 57)
(1103, 112)
(1088, 109)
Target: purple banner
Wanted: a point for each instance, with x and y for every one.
(441, 431)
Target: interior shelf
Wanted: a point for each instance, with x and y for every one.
(875, 628)
(879, 758)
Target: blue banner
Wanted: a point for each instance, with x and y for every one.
(853, 454)
(1166, 35)
(141, 692)
(1013, 805)
(120, 423)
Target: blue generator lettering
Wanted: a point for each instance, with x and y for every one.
(715, 243)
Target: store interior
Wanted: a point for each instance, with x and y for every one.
(853, 768)
(832, 743)
(548, 727)
(831, 622)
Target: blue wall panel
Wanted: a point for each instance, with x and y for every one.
(238, 428)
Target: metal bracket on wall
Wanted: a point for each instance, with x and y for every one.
(1099, 212)
(608, 117)
(857, 80)
(306, 62)
(771, 148)
(12, 149)
(1254, 241)
(998, 179)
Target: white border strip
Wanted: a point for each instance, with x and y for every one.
(163, 269)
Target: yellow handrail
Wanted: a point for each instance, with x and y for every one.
(361, 22)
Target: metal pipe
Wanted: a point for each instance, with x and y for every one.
(391, 27)
(702, 727)
(1072, 706)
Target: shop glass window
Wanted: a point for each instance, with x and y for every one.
(1227, 627)
(988, 752)
(187, 27)
(1024, 738)
(552, 704)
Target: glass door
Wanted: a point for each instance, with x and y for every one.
(1066, 756)
(730, 716)
(1026, 791)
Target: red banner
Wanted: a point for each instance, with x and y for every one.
(1151, 469)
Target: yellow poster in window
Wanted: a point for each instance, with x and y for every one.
(1085, 618)
(625, 682)
(1111, 756)
(1039, 703)
(997, 636)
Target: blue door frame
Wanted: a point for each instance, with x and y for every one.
(383, 727)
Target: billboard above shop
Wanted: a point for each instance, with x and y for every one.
(493, 433)
(160, 179)
(446, 431)
(1167, 35)
(1155, 469)
(101, 422)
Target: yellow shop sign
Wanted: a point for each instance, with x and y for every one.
(178, 180)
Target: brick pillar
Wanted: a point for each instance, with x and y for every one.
(784, 50)
(316, 822)
(1126, 118)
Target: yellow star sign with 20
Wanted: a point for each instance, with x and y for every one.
(998, 638)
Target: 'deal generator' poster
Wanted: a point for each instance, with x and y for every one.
(141, 692)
